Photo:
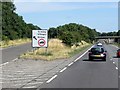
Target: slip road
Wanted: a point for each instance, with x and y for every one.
(87, 74)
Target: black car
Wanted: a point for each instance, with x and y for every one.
(97, 53)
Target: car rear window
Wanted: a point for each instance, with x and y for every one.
(118, 50)
(97, 50)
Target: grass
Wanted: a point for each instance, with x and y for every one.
(117, 44)
(76, 51)
(55, 50)
(8, 43)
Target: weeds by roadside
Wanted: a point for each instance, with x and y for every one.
(8, 43)
(56, 50)
(117, 44)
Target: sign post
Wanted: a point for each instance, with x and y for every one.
(40, 38)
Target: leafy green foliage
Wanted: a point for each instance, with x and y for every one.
(73, 33)
(13, 25)
(118, 33)
(109, 34)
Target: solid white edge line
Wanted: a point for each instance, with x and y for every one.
(82, 54)
(51, 79)
(70, 64)
(63, 69)
(115, 46)
(117, 68)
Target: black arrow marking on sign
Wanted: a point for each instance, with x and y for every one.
(34, 37)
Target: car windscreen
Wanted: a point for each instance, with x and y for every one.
(97, 50)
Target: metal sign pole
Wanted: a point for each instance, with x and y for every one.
(46, 50)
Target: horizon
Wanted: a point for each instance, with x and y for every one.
(102, 16)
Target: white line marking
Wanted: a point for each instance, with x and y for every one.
(75, 60)
(8, 62)
(82, 54)
(111, 59)
(115, 46)
(63, 69)
(28, 86)
(70, 64)
(117, 68)
(14, 59)
(51, 79)
(113, 62)
(4, 64)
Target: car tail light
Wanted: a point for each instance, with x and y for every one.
(104, 52)
(119, 53)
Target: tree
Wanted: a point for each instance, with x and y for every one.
(53, 33)
(13, 25)
(118, 33)
(73, 33)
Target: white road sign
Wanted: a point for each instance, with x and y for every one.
(39, 38)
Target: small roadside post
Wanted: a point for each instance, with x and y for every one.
(40, 39)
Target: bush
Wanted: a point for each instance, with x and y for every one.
(68, 38)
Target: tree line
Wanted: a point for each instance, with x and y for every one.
(73, 33)
(13, 25)
(111, 33)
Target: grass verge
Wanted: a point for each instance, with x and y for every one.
(117, 44)
(56, 50)
(8, 43)
(76, 51)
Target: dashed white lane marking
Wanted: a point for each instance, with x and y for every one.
(117, 68)
(30, 87)
(51, 79)
(70, 64)
(4, 64)
(113, 62)
(8, 62)
(63, 69)
(119, 76)
(111, 59)
(82, 54)
(14, 59)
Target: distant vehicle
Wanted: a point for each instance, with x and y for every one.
(97, 53)
(118, 53)
(99, 44)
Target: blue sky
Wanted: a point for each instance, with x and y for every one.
(102, 16)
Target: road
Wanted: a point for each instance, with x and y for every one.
(14, 52)
(80, 73)
(88, 74)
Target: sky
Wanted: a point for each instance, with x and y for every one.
(102, 16)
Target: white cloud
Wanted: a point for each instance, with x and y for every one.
(28, 7)
(66, 0)
(31, 7)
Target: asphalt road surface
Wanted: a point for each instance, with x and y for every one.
(14, 52)
(88, 74)
(80, 74)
